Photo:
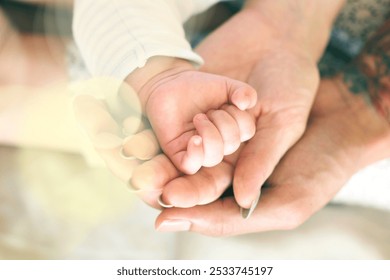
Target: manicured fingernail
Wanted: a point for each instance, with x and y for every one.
(174, 225)
(162, 203)
(133, 189)
(246, 213)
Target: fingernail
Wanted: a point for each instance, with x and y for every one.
(197, 140)
(243, 105)
(162, 203)
(123, 155)
(131, 188)
(246, 213)
(143, 145)
(174, 225)
(131, 125)
(243, 102)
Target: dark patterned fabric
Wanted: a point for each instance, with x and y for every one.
(358, 20)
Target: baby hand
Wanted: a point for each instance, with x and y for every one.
(198, 117)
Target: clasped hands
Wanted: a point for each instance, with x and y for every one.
(216, 131)
(203, 123)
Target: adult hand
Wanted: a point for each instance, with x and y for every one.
(279, 59)
(110, 114)
(344, 135)
(281, 66)
(286, 81)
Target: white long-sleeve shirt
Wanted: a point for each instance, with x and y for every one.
(117, 36)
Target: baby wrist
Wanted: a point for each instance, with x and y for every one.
(158, 67)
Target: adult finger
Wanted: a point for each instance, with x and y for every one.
(159, 177)
(223, 218)
(121, 167)
(120, 98)
(207, 185)
(143, 145)
(99, 125)
(259, 158)
(150, 177)
(285, 99)
(282, 207)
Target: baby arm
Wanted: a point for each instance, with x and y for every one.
(197, 117)
(144, 37)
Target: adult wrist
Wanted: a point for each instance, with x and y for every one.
(303, 24)
(373, 128)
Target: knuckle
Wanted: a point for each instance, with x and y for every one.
(221, 230)
(222, 225)
(293, 219)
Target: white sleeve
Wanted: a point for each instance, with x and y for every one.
(116, 37)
